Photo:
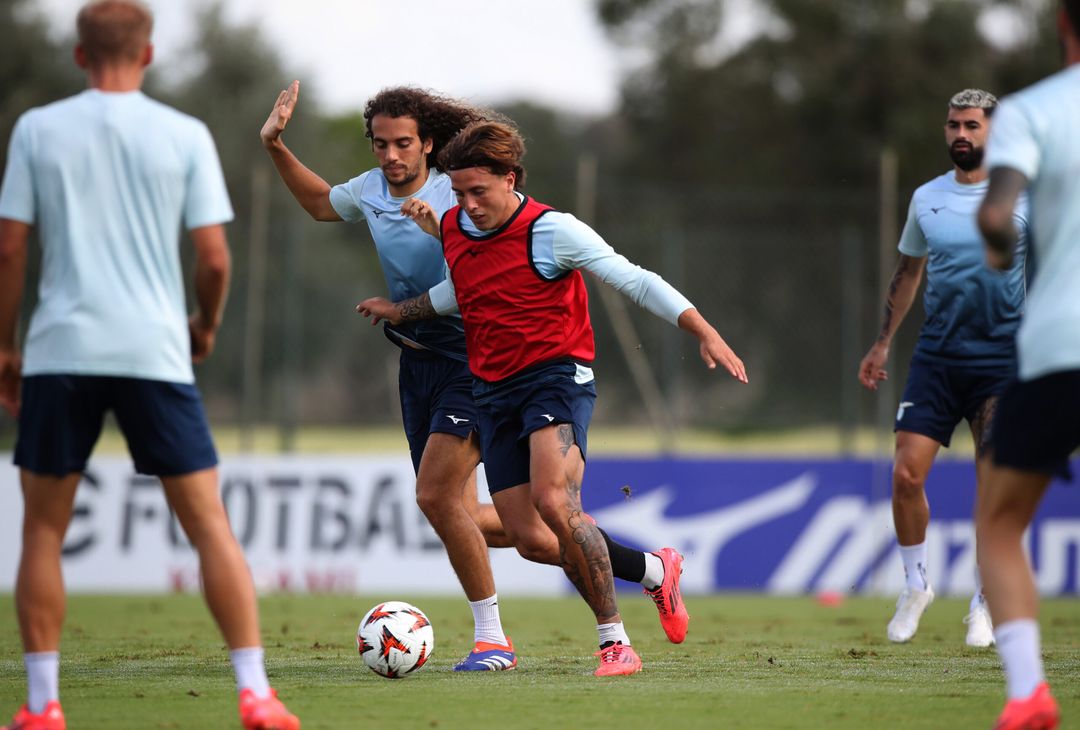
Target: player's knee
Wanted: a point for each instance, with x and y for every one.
(431, 502)
(538, 547)
(908, 483)
(551, 505)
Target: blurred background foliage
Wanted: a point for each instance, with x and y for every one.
(748, 177)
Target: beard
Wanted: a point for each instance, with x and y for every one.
(402, 175)
(968, 157)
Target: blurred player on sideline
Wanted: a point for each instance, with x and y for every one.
(513, 269)
(408, 128)
(965, 355)
(1035, 145)
(108, 176)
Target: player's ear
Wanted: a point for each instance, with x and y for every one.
(429, 145)
(148, 55)
(80, 56)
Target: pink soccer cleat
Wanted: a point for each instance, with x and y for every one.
(51, 719)
(1037, 712)
(265, 713)
(617, 659)
(673, 616)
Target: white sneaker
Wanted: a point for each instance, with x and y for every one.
(909, 609)
(980, 631)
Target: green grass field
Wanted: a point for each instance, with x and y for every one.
(749, 662)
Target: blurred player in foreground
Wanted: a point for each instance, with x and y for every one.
(107, 177)
(1035, 146)
(513, 269)
(965, 356)
(408, 129)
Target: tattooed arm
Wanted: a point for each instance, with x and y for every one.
(996, 216)
(409, 310)
(902, 291)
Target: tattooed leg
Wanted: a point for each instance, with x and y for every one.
(982, 424)
(556, 471)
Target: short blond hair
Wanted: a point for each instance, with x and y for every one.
(114, 30)
(974, 99)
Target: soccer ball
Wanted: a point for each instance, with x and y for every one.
(395, 638)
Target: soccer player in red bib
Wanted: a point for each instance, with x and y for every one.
(514, 274)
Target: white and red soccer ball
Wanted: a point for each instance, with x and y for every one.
(395, 638)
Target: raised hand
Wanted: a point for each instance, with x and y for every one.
(423, 215)
(280, 114)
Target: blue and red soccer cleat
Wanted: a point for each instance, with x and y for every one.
(673, 616)
(1037, 712)
(265, 713)
(51, 719)
(488, 657)
(617, 659)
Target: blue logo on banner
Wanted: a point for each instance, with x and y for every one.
(799, 526)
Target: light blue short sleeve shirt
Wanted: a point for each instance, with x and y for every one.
(1035, 132)
(108, 179)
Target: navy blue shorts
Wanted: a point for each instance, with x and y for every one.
(1037, 426)
(513, 408)
(61, 417)
(436, 397)
(938, 396)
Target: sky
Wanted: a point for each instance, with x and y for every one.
(553, 52)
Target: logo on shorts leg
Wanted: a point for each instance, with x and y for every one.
(904, 405)
(457, 420)
(549, 417)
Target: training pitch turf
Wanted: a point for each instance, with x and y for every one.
(748, 662)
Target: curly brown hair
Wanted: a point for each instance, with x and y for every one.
(495, 146)
(437, 117)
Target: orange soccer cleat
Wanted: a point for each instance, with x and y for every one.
(265, 713)
(1039, 711)
(673, 616)
(617, 659)
(51, 719)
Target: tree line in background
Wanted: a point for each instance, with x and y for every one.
(748, 179)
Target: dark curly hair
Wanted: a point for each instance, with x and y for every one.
(495, 146)
(438, 118)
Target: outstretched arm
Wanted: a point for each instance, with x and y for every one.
(13, 238)
(310, 190)
(574, 245)
(995, 216)
(898, 300)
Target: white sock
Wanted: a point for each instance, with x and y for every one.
(488, 625)
(914, 557)
(1018, 646)
(250, 670)
(612, 633)
(654, 572)
(42, 679)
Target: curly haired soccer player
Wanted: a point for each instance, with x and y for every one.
(108, 177)
(408, 129)
(966, 354)
(514, 273)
